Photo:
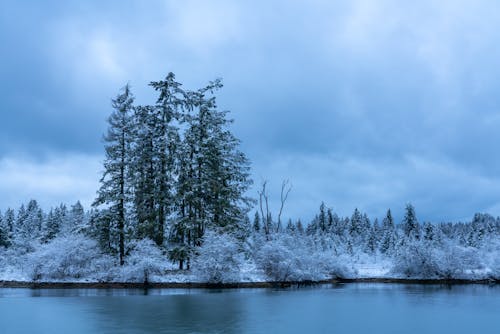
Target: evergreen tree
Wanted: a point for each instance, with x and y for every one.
(300, 227)
(9, 220)
(143, 171)
(214, 174)
(256, 222)
(168, 109)
(76, 220)
(4, 235)
(356, 225)
(52, 227)
(322, 219)
(428, 231)
(411, 227)
(114, 188)
(388, 234)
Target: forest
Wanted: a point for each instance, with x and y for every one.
(174, 206)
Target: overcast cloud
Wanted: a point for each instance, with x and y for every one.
(367, 104)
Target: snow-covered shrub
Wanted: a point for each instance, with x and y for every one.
(285, 258)
(219, 258)
(457, 262)
(415, 261)
(144, 260)
(495, 269)
(419, 260)
(69, 257)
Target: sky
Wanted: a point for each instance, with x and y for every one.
(367, 104)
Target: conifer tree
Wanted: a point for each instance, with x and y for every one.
(388, 234)
(256, 222)
(114, 188)
(411, 227)
(4, 235)
(9, 222)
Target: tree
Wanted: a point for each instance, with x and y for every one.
(256, 222)
(9, 222)
(76, 220)
(170, 103)
(411, 227)
(388, 234)
(143, 171)
(115, 185)
(356, 225)
(51, 228)
(214, 174)
(4, 235)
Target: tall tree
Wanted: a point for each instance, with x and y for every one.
(167, 111)
(114, 188)
(213, 173)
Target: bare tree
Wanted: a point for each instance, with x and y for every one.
(264, 199)
(286, 187)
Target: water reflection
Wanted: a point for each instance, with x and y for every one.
(340, 308)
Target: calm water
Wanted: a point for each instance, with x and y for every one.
(349, 308)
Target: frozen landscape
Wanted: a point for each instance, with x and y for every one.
(328, 248)
(173, 206)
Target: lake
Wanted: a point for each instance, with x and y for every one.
(343, 308)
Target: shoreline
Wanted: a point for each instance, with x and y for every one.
(236, 285)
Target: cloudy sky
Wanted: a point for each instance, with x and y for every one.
(368, 104)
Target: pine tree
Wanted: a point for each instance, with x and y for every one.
(169, 106)
(411, 227)
(114, 188)
(356, 225)
(322, 220)
(52, 227)
(76, 219)
(256, 222)
(388, 234)
(143, 171)
(300, 227)
(9, 222)
(4, 235)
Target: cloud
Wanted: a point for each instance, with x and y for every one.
(439, 189)
(56, 179)
(360, 103)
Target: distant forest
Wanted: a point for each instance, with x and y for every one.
(173, 205)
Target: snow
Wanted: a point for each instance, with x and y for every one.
(448, 251)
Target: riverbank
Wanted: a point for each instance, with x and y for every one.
(240, 285)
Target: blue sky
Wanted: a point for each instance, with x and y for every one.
(368, 104)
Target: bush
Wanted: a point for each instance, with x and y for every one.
(219, 259)
(418, 260)
(144, 260)
(287, 259)
(70, 257)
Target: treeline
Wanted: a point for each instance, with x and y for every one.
(29, 224)
(359, 234)
(325, 247)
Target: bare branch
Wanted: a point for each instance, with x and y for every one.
(286, 187)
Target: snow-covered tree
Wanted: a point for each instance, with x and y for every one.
(388, 231)
(4, 234)
(114, 188)
(411, 227)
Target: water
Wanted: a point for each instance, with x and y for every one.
(347, 308)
